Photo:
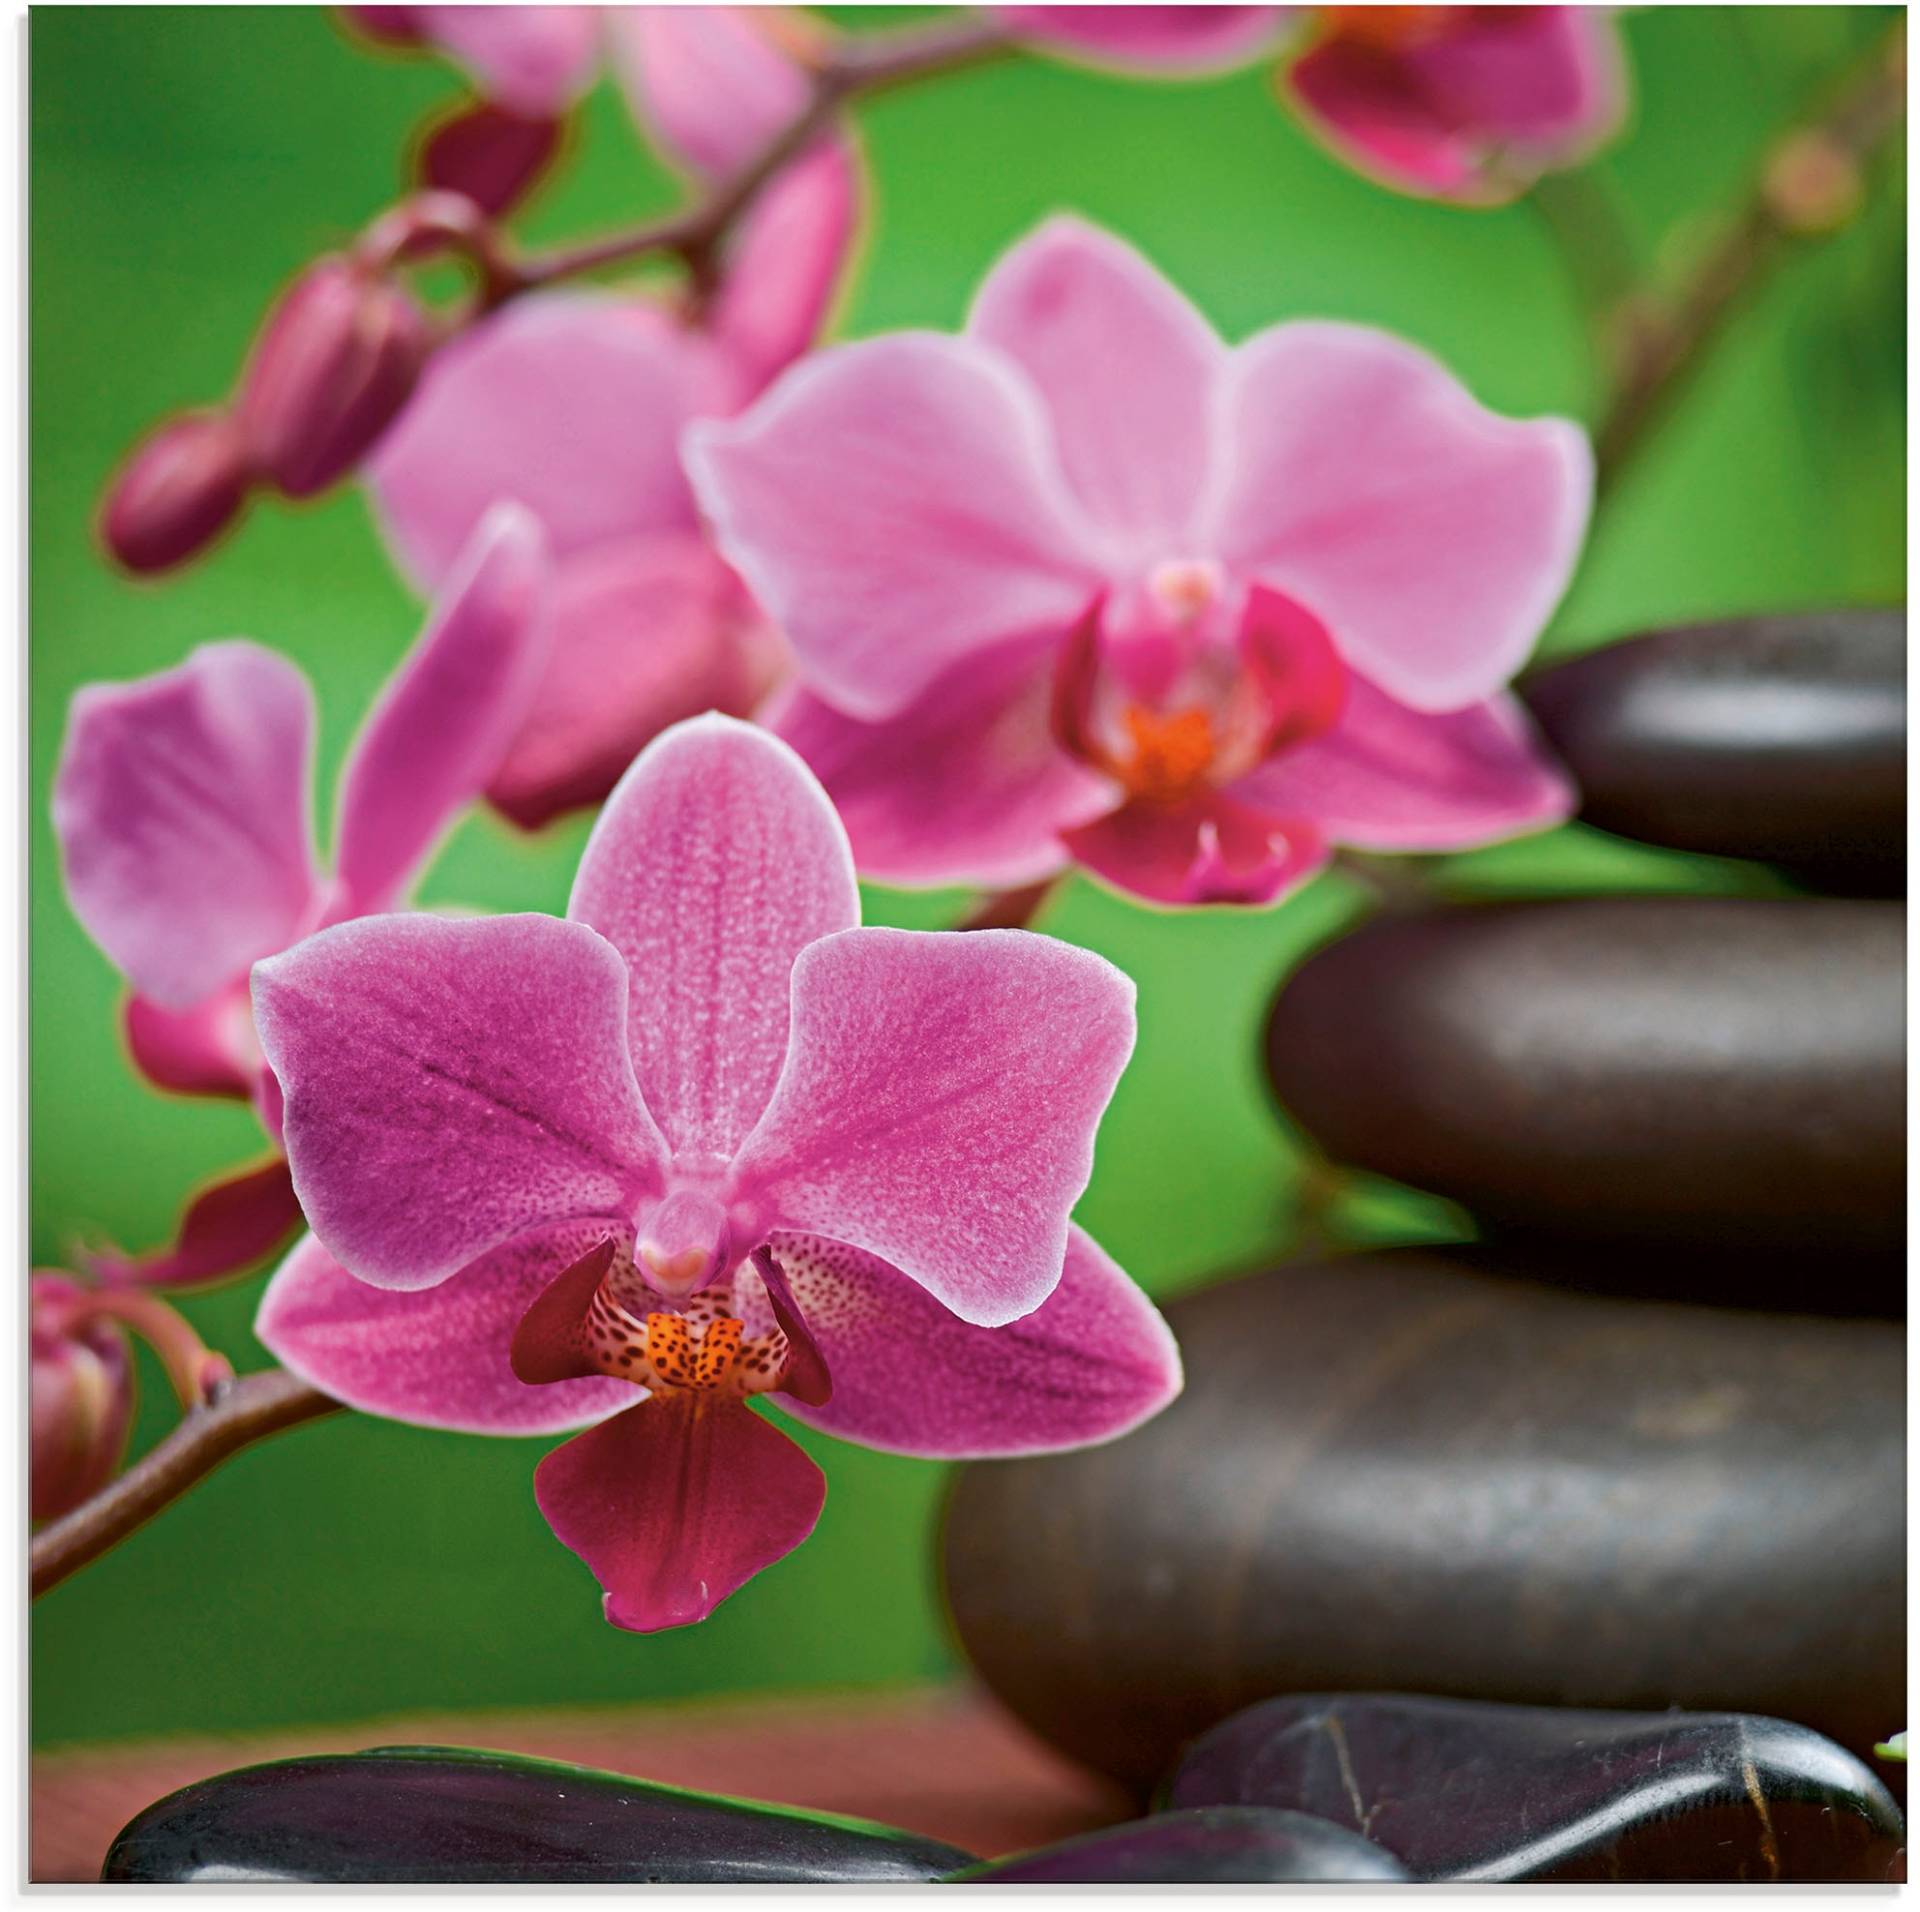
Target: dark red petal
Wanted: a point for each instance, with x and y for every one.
(807, 1379)
(487, 154)
(228, 1226)
(548, 1344)
(1292, 660)
(677, 1503)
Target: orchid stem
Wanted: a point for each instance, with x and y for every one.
(238, 1414)
(1009, 909)
(1809, 183)
(855, 68)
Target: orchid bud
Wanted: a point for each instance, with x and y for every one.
(338, 359)
(81, 1390)
(181, 488)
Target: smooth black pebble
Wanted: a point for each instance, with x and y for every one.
(1782, 738)
(1396, 1473)
(1462, 1791)
(1716, 1073)
(434, 1815)
(1220, 1845)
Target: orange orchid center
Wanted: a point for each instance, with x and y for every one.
(1171, 753)
(1387, 28)
(701, 1351)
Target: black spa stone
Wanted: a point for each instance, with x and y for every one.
(1724, 1075)
(1396, 1472)
(1219, 1845)
(1474, 1792)
(431, 1815)
(1782, 738)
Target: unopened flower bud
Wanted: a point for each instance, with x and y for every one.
(1813, 184)
(338, 359)
(80, 1387)
(181, 487)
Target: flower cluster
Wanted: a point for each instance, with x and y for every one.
(1082, 586)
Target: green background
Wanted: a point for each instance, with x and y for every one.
(185, 162)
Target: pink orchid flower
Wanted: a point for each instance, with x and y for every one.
(1085, 585)
(704, 1138)
(573, 405)
(1463, 103)
(183, 810)
(710, 84)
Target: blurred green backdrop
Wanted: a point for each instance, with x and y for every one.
(186, 161)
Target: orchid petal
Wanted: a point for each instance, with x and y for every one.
(1541, 84)
(1093, 1360)
(181, 806)
(1387, 777)
(784, 268)
(1126, 366)
(488, 155)
(966, 785)
(715, 863)
(534, 59)
(643, 633)
(451, 1083)
(229, 1225)
(677, 1503)
(708, 82)
(549, 1342)
(437, 1358)
(443, 722)
(571, 404)
(1212, 848)
(1431, 536)
(1153, 39)
(206, 1050)
(938, 1105)
(895, 506)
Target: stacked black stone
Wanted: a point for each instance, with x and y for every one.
(1642, 1446)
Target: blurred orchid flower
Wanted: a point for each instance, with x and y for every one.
(708, 1138)
(182, 804)
(710, 84)
(1463, 103)
(574, 403)
(1085, 585)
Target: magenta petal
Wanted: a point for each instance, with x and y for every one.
(488, 155)
(1127, 368)
(1093, 1360)
(714, 864)
(966, 785)
(1165, 39)
(677, 1503)
(708, 82)
(895, 505)
(229, 1225)
(1431, 536)
(571, 404)
(784, 268)
(938, 1105)
(449, 1084)
(181, 806)
(206, 1050)
(1211, 849)
(533, 59)
(445, 718)
(1387, 777)
(643, 633)
(437, 1358)
(1540, 85)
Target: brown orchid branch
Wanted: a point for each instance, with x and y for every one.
(237, 1414)
(1810, 183)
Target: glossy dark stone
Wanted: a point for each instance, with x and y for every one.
(434, 1815)
(1460, 1791)
(1782, 738)
(1395, 1473)
(1714, 1072)
(1223, 1845)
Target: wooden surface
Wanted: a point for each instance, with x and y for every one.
(940, 1761)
